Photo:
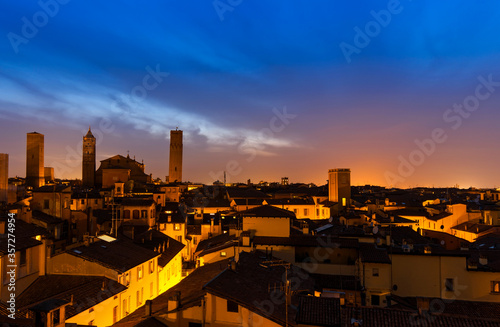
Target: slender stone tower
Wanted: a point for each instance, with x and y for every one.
(175, 164)
(88, 160)
(35, 174)
(4, 177)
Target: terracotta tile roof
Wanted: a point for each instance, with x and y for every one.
(249, 285)
(369, 253)
(268, 211)
(120, 255)
(24, 233)
(215, 243)
(87, 291)
(191, 292)
(388, 317)
(336, 282)
(318, 311)
(166, 245)
(48, 219)
(247, 192)
(307, 240)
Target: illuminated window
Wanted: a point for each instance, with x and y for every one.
(177, 226)
(344, 202)
(223, 253)
(139, 272)
(232, 306)
(495, 287)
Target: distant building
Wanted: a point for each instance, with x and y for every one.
(120, 169)
(339, 187)
(284, 181)
(175, 164)
(35, 174)
(88, 160)
(4, 177)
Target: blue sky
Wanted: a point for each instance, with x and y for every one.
(223, 70)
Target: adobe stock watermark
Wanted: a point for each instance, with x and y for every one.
(372, 29)
(31, 26)
(427, 147)
(277, 124)
(150, 81)
(223, 6)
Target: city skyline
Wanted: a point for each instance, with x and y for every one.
(402, 93)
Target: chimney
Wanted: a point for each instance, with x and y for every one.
(392, 219)
(103, 286)
(149, 308)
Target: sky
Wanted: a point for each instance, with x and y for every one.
(404, 93)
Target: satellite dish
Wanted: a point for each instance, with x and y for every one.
(442, 227)
(375, 230)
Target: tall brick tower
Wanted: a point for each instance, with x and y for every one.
(339, 186)
(4, 177)
(88, 160)
(35, 175)
(175, 164)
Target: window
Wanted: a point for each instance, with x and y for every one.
(317, 212)
(56, 319)
(306, 212)
(95, 201)
(295, 211)
(126, 214)
(223, 253)
(375, 300)
(195, 241)
(139, 272)
(177, 226)
(82, 201)
(449, 285)
(375, 272)
(127, 279)
(151, 267)
(46, 204)
(179, 238)
(232, 306)
(115, 314)
(151, 290)
(124, 307)
(135, 214)
(495, 287)
(144, 214)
